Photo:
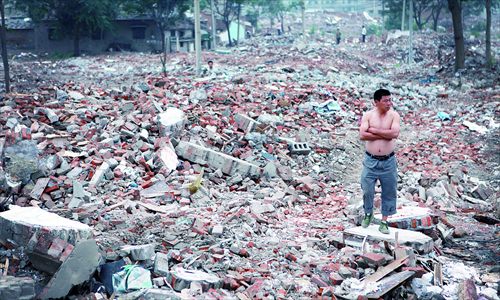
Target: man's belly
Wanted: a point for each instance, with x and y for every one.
(380, 147)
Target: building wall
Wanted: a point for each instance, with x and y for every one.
(129, 35)
(21, 39)
(122, 36)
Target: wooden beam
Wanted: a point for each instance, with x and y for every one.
(382, 272)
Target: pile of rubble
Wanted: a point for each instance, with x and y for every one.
(242, 184)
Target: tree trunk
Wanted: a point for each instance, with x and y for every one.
(456, 14)
(163, 58)
(282, 19)
(228, 33)
(197, 36)
(5, 58)
(489, 59)
(435, 16)
(410, 37)
(238, 32)
(403, 16)
(214, 26)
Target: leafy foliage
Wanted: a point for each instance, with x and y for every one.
(73, 17)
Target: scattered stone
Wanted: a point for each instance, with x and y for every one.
(139, 252)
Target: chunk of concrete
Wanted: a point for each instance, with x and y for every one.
(217, 160)
(161, 264)
(354, 237)
(180, 278)
(19, 288)
(171, 121)
(21, 223)
(99, 174)
(139, 252)
(411, 218)
(75, 270)
(245, 123)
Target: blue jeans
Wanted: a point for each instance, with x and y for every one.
(387, 173)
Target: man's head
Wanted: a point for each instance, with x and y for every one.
(382, 99)
(210, 64)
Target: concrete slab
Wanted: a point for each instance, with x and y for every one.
(171, 121)
(19, 288)
(411, 218)
(21, 223)
(354, 237)
(226, 163)
(245, 123)
(76, 269)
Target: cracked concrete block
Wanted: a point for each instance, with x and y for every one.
(21, 223)
(19, 288)
(180, 278)
(139, 252)
(161, 264)
(171, 121)
(217, 160)
(99, 174)
(245, 123)
(77, 268)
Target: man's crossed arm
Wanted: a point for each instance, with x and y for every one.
(367, 133)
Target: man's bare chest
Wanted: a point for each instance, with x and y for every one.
(381, 121)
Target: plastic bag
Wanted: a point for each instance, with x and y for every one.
(131, 277)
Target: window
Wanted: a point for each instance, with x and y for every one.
(139, 33)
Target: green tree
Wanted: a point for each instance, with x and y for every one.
(392, 13)
(278, 9)
(164, 12)
(3, 40)
(75, 18)
(228, 10)
(489, 60)
(254, 11)
(437, 7)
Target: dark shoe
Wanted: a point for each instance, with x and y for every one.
(367, 220)
(384, 227)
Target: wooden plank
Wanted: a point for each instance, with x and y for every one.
(382, 272)
(390, 283)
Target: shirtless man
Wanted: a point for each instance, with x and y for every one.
(379, 128)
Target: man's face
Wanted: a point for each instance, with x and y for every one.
(385, 103)
(210, 65)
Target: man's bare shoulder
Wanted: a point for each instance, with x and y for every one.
(369, 113)
(394, 113)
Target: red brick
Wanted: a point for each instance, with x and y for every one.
(57, 247)
(335, 278)
(374, 259)
(318, 281)
(67, 251)
(419, 271)
(290, 257)
(230, 284)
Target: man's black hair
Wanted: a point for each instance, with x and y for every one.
(380, 93)
(210, 61)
